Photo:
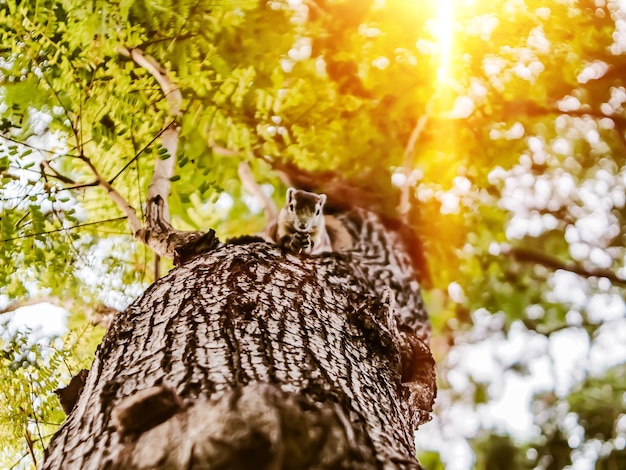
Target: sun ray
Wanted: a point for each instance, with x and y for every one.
(445, 37)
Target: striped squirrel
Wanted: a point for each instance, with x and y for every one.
(302, 227)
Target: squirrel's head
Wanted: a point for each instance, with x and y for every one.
(305, 209)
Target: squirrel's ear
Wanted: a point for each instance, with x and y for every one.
(290, 193)
(322, 199)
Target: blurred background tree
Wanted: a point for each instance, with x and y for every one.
(496, 130)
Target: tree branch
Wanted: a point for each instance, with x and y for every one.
(29, 443)
(170, 90)
(17, 304)
(530, 108)
(409, 154)
(55, 174)
(163, 169)
(158, 233)
(530, 256)
(342, 193)
(247, 179)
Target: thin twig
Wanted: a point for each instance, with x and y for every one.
(32, 147)
(122, 203)
(138, 154)
(30, 235)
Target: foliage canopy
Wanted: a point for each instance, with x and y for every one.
(504, 120)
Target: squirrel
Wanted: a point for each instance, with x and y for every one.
(302, 227)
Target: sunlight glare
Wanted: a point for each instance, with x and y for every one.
(445, 36)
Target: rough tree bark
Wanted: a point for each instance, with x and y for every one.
(250, 357)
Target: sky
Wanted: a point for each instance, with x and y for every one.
(43, 320)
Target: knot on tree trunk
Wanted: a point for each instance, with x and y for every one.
(252, 426)
(177, 245)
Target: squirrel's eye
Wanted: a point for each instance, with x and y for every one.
(291, 207)
(317, 212)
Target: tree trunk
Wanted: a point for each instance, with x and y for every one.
(249, 357)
